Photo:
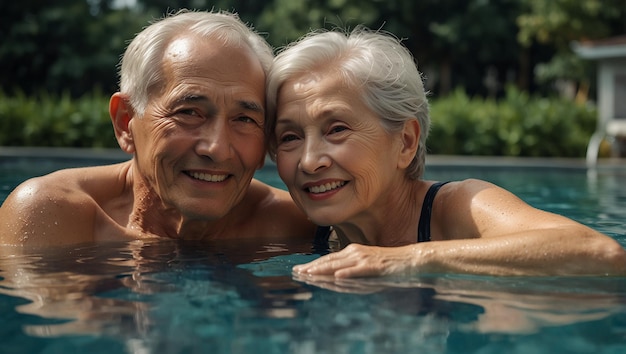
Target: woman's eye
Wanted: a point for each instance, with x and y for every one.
(337, 129)
(285, 138)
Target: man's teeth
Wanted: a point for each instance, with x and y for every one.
(208, 177)
(326, 187)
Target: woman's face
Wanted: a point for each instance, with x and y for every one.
(333, 154)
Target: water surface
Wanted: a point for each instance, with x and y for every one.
(167, 296)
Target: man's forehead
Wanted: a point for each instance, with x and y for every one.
(179, 49)
(189, 47)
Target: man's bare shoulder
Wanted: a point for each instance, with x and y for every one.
(72, 184)
(279, 213)
(58, 207)
(271, 197)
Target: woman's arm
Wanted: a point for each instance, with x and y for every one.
(479, 228)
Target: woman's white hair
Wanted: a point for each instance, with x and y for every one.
(140, 68)
(375, 61)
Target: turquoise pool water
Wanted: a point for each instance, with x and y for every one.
(220, 297)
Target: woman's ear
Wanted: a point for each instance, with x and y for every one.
(121, 114)
(410, 141)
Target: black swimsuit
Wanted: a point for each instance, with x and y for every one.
(423, 228)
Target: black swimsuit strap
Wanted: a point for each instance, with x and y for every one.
(320, 242)
(423, 228)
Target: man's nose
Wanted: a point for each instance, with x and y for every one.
(215, 140)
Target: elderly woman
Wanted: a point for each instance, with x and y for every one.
(347, 126)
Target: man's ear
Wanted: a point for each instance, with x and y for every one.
(410, 142)
(121, 114)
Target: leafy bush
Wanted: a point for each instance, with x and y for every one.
(49, 120)
(516, 125)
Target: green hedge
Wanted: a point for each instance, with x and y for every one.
(516, 125)
(48, 120)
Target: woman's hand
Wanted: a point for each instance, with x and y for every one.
(358, 260)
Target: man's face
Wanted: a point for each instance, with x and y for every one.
(201, 137)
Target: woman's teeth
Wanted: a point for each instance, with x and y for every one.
(326, 187)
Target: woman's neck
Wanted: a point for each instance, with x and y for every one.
(391, 221)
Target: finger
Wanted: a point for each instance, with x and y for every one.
(301, 268)
(322, 262)
(358, 270)
(307, 278)
(337, 285)
(329, 267)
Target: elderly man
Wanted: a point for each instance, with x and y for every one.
(191, 112)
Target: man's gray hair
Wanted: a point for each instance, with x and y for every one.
(140, 69)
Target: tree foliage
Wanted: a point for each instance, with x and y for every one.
(65, 45)
(59, 60)
(74, 45)
(557, 23)
(287, 20)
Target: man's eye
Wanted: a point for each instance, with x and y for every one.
(246, 119)
(188, 112)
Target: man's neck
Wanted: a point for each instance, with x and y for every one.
(150, 215)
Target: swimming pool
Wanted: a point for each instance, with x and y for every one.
(219, 297)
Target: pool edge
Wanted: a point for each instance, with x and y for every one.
(431, 160)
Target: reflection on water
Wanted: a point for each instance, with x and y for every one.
(170, 297)
(240, 297)
(117, 289)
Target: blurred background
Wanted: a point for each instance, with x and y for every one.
(502, 74)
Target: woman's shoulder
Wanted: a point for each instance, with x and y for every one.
(466, 188)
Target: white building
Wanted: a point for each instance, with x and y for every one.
(611, 56)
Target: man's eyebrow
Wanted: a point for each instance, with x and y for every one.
(251, 106)
(244, 104)
(191, 98)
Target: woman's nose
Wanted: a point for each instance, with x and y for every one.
(314, 157)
